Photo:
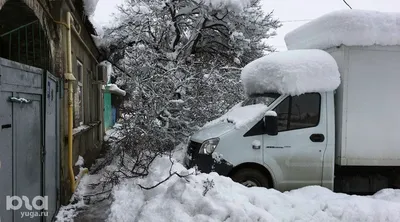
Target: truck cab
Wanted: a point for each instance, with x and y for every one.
(291, 149)
(325, 112)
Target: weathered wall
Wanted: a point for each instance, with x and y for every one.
(87, 143)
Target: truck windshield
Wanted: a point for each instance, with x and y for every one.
(265, 99)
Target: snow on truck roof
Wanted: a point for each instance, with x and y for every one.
(292, 72)
(347, 27)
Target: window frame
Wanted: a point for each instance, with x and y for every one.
(258, 128)
(290, 112)
(80, 84)
(254, 97)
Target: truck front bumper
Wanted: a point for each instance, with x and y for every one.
(207, 164)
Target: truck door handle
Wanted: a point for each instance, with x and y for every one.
(317, 138)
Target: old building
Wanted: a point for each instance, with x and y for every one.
(51, 102)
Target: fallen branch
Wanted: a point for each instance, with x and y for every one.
(167, 178)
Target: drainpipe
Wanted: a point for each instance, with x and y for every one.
(70, 78)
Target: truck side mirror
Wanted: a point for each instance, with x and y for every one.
(271, 123)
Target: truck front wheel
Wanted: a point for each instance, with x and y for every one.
(251, 178)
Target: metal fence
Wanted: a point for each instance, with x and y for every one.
(27, 44)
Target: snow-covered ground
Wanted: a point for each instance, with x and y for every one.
(210, 197)
(189, 200)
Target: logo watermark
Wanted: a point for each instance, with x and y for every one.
(38, 207)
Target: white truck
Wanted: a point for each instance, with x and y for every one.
(326, 112)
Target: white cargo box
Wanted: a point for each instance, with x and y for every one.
(368, 105)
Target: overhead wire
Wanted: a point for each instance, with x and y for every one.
(347, 4)
(307, 20)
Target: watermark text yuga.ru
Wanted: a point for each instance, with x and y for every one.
(33, 208)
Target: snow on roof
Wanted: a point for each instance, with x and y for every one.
(347, 27)
(292, 72)
(90, 6)
(113, 88)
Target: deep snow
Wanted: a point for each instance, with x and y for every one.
(291, 72)
(347, 27)
(180, 200)
(210, 197)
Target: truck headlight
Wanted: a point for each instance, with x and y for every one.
(209, 146)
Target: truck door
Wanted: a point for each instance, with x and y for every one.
(298, 148)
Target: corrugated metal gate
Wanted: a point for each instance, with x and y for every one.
(29, 139)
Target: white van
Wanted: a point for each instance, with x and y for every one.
(326, 117)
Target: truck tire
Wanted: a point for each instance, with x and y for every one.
(251, 178)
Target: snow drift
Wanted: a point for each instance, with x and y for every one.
(347, 27)
(210, 197)
(291, 72)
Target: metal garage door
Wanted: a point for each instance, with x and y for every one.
(28, 140)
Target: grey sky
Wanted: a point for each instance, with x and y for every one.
(105, 9)
(285, 10)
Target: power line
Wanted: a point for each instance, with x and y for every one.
(307, 20)
(347, 4)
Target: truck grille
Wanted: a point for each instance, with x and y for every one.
(193, 149)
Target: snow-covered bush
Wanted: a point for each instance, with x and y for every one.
(180, 62)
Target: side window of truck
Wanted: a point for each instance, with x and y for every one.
(283, 114)
(298, 112)
(295, 112)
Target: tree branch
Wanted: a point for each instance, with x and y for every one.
(119, 68)
(167, 178)
(176, 26)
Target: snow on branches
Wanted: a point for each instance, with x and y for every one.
(184, 59)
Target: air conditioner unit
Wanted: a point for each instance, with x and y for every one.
(102, 74)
